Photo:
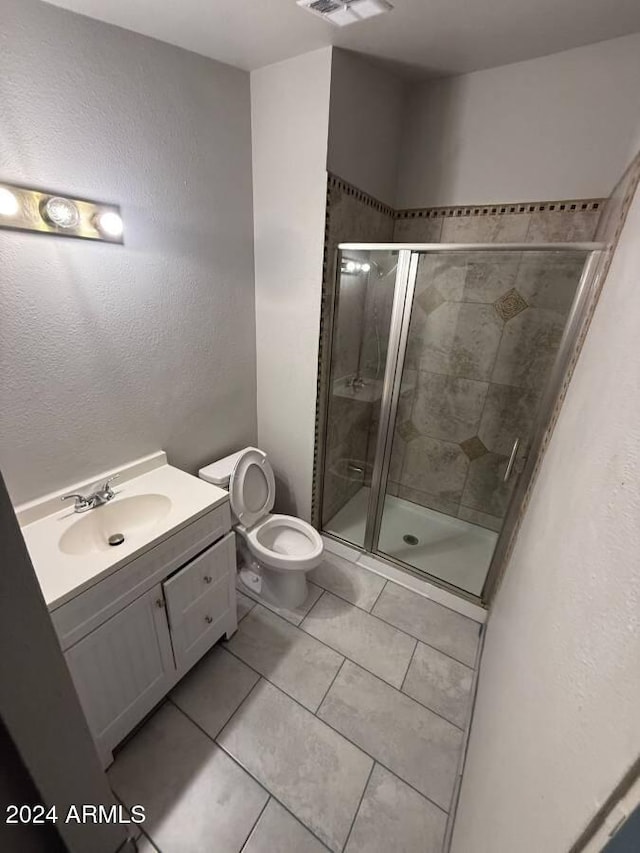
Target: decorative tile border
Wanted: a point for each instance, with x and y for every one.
(324, 361)
(571, 205)
(336, 183)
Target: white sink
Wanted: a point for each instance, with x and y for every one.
(132, 517)
(70, 551)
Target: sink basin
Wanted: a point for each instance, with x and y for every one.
(132, 517)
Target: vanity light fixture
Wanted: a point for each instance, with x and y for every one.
(9, 205)
(61, 212)
(109, 223)
(25, 209)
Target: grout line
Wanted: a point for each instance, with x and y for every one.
(364, 791)
(322, 594)
(330, 686)
(379, 595)
(342, 735)
(150, 840)
(257, 820)
(413, 654)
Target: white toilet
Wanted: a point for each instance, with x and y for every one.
(276, 551)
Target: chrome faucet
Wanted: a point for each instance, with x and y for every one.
(356, 383)
(98, 498)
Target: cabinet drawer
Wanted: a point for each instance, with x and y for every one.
(199, 578)
(91, 608)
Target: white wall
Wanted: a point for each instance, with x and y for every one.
(557, 720)
(365, 125)
(290, 120)
(110, 352)
(556, 127)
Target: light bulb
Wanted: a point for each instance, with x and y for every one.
(109, 223)
(365, 267)
(351, 266)
(8, 202)
(61, 212)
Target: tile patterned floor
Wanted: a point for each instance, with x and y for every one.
(338, 726)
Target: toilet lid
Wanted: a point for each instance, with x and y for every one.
(252, 487)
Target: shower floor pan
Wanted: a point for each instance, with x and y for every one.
(447, 548)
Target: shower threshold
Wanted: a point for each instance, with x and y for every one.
(451, 549)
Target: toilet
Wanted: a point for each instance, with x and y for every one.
(275, 551)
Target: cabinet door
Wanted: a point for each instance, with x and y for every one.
(123, 668)
(201, 602)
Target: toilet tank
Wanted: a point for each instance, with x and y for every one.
(219, 472)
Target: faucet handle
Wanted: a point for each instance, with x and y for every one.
(80, 501)
(106, 486)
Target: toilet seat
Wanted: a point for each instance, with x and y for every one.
(252, 487)
(285, 543)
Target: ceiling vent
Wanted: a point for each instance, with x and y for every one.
(349, 12)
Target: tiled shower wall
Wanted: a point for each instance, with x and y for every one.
(485, 329)
(353, 216)
(506, 310)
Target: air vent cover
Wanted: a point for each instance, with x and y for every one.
(347, 12)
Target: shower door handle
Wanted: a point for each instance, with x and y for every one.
(509, 469)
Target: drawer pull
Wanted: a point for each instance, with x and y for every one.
(208, 619)
(207, 579)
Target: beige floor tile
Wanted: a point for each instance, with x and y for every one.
(370, 642)
(441, 683)
(195, 797)
(430, 622)
(214, 688)
(395, 817)
(317, 774)
(288, 657)
(416, 744)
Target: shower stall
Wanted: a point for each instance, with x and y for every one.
(444, 364)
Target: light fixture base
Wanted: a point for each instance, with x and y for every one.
(341, 13)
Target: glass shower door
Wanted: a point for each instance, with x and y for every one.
(360, 339)
(483, 333)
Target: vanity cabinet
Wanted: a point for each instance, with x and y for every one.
(123, 668)
(130, 638)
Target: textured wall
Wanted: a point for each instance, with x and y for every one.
(556, 722)
(110, 352)
(290, 123)
(560, 126)
(366, 123)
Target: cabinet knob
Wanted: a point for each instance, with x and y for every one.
(160, 602)
(207, 578)
(208, 619)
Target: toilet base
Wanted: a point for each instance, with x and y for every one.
(280, 589)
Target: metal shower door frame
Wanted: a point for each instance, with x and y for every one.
(408, 259)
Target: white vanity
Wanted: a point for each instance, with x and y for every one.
(133, 618)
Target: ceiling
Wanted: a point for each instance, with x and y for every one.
(420, 37)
